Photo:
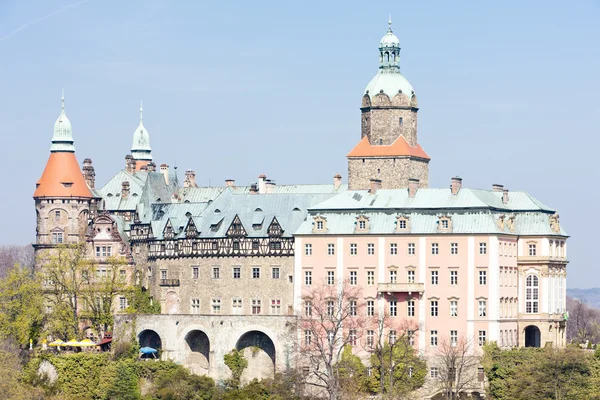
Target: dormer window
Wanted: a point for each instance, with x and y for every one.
(362, 223)
(445, 224)
(402, 223)
(320, 224)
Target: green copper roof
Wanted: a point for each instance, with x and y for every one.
(63, 135)
(140, 149)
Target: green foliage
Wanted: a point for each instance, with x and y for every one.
(352, 373)
(12, 386)
(237, 363)
(139, 302)
(180, 384)
(125, 382)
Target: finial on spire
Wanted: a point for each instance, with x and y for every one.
(141, 110)
(390, 23)
(62, 100)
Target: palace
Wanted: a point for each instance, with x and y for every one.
(229, 264)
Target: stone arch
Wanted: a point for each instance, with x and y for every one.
(401, 100)
(259, 349)
(197, 346)
(149, 338)
(532, 336)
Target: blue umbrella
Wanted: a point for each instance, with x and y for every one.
(148, 350)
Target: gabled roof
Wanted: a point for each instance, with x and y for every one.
(400, 147)
(62, 178)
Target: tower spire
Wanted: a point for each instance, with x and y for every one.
(390, 23)
(141, 110)
(141, 150)
(63, 135)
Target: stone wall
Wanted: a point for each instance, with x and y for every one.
(384, 124)
(393, 172)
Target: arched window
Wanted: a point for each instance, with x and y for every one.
(532, 294)
(387, 56)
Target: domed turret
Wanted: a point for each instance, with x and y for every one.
(63, 134)
(141, 150)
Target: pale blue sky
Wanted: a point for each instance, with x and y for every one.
(508, 93)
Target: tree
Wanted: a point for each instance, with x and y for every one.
(331, 318)
(13, 254)
(352, 375)
(457, 368)
(584, 322)
(125, 384)
(11, 385)
(237, 363)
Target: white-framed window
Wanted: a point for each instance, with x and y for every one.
(453, 248)
(331, 278)
(393, 308)
(454, 308)
(237, 272)
(275, 272)
(307, 278)
(433, 338)
(362, 224)
(352, 337)
(410, 276)
(320, 225)
(370, 337)
(195, 272)
(275, 306)
(411, 249)
(483, 277)
(435, 249)
(532, 249)
(370, 278)
(307, 337)
(255, 272)
(433, 308)
(435, 277)
(393, 249)
(434, 372)
(482, 308)
(370, 308)
(531, 294)
(482, 248)
(453, 338)
(216, 305)
(331, 249)
(163, 274)
(353, 249)
(393, 276)
(57, 237)
(481, 338)
(370, 249)
(195, 306)
(236, 303)
(401, 224)
(122, 303)
(353, 278)
(454, 277)
(256, 306)
(353, 308)
(330, 308)
(308, 249)
(410, 308)
(57, 215)
(215, 272)
(444, 224)
(308, 308)
(392, 337)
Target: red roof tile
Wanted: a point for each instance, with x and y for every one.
(399, 148)
(62, 178)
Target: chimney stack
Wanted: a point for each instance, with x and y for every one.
(375, 185)
(413, 186)
(262, 184)
(505, 196)
(129, 164)
(497, 187)
(164, 169)
(230, 182)
(125, 189)
(337, 181)
(151, 167)
(88, 173)
(456, 184)
(269, 186)
(190, 179)
(253, 189)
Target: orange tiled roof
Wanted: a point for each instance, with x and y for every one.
(399, 148)
(62, 178)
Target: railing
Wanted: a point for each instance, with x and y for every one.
(401, 287)
(169, 282)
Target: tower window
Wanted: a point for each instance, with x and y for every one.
(400, 121)
(57, 215)
(380, 141)
(378, 171)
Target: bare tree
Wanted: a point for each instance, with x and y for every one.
(330, 318)
(15, 254)
(457, 368)
(584, 322)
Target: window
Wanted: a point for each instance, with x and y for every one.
(370, 278)
(57, 215)
(308, 249)
(434, 372)
(122, 303)
(370, 308)
(532, 249)
(480, 374)
(411, 337)
(401, 224)
(433, 338)
(331, 249)
(255, 272)
(353, 278)
(308, 308)
(482, 277)
(97, 251)
(237, 304)
(256, 303)
(195, 306)
(410, 276)
(330, 337)
(307, 337)
(353, 249)
(163, 274)
(275, 272)
(362, 224)
(454, 277)
(307, 278)
(411, 308)
(195, 272)
(393, 276)
(453, 338)
(434, 308)
(393, 249)
(482, 248)
(320, 225)
(453, 248)
(276, 307)
(434, 248)
(482, 308)
(392, 337)
(353, 307)
(352, 337)
(331, 278)
(122, 275)
(531, 294)
(237, 272)
(255, 245)
(370, 249)
(370, 337)
(435, 275)
(215, 273)
(444, 224)
(453, 308)
(411, 249)
(400, 121)
(216, 306)
(393, 308)
(481, 340)
(57, 237)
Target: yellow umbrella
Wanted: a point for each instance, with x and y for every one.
(87, 343)
(57, 343)
(72, 343)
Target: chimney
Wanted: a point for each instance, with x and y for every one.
(497, 187)
(151, 167)
(144, 168)
(129, 164)
(375, 185)
(164, 169)
(505, 196)
(253, 189)
(262, 184)
(88, 173)
(269, 186)
(337, 181)
(413, 186)
(125, 189)
(230, 182)
(190, 179)
(456, 184)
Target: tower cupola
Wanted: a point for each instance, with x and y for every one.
(141, 150)
(63, 134)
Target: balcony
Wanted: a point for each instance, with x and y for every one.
(169, 282)
(401, 288)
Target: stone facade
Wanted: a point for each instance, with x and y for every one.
(394, 172)
(383, 121)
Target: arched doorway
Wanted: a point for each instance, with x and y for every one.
(149, 338)
(532, 336)
(198, 352)
(259, 350)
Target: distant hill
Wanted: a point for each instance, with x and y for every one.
(591, 297)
